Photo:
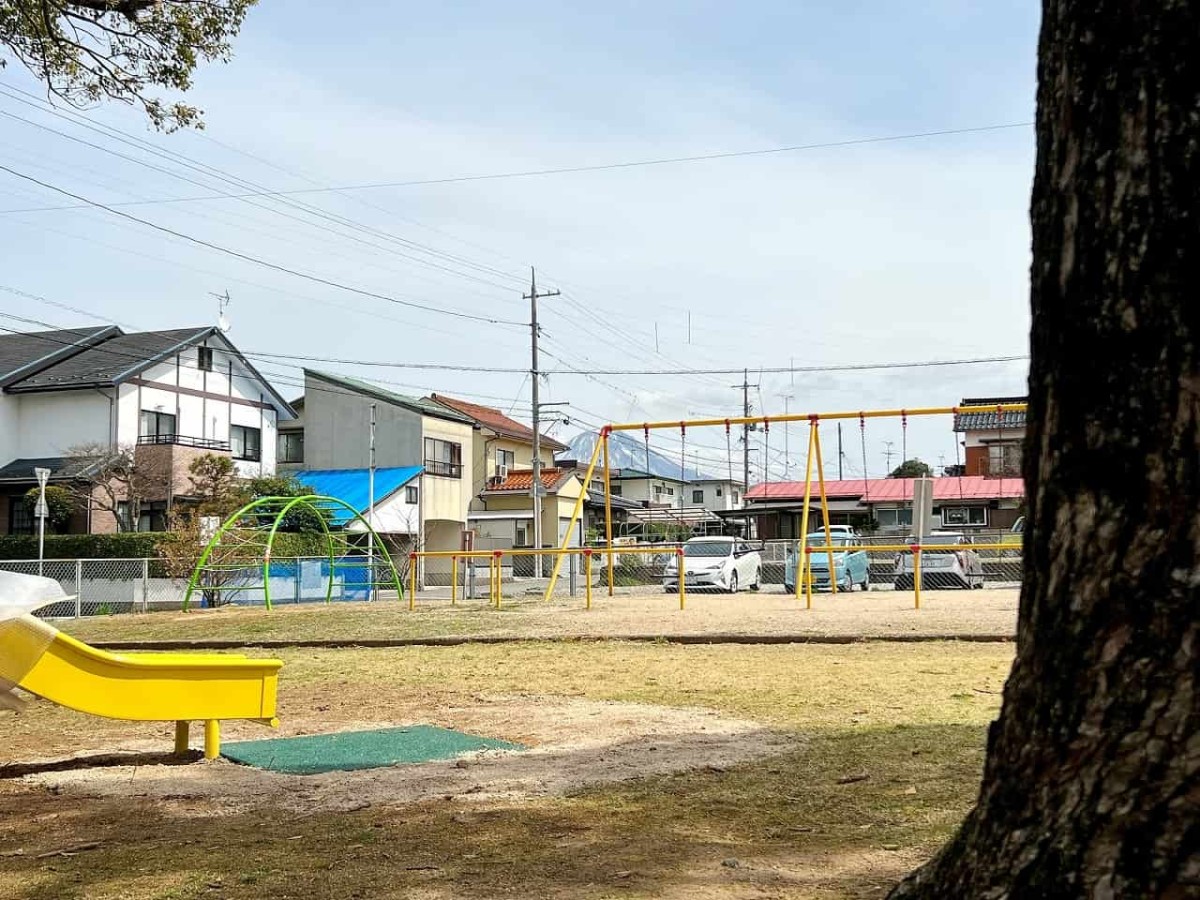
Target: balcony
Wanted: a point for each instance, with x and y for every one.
(180, 440)
(443, 469)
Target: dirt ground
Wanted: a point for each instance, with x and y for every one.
(722, 772)
(990, 612)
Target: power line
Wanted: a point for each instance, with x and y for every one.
(567, 170)
(260, 262)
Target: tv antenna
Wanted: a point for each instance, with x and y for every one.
(223, 300)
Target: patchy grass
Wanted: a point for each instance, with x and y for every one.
(945, 613)
(911, 717)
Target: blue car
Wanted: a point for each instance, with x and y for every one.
(851, 567)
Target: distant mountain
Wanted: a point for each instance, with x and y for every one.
(628, 452)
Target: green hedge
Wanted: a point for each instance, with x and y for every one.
(135, 545)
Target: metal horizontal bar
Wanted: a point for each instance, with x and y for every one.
(924, 548)
(809, 417)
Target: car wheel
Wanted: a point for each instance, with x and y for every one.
(866, 582)
(733, 583)
(754, 585)
(847, 586)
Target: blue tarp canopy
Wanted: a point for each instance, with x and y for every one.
(352, 486)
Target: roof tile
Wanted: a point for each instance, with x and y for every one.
(493, 419)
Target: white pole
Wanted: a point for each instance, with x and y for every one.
(371, 513)
(42, 475)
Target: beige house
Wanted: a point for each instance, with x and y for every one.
(506, 519)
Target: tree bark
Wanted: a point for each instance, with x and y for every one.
(1092, 781)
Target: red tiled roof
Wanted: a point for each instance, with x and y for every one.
(884, 490)
(494, 420)
(522, 480)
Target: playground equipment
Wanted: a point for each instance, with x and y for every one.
(244, 542)
(814, 460)
(149, 687)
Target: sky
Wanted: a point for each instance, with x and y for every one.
(887, 251)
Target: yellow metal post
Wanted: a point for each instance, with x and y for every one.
(802, 555)
(808, 580)
(916, 549)
(212, 739)
(453, 580)
(587, 576)
(412, 580)
(608, 539)
(498, 556)
(571, 526)
(682, 579)
(181, 738)
(816, 430)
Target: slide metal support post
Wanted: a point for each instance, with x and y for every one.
(181, 738)
(212, 739)
(825, 507)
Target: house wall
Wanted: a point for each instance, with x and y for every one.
(10, 427)
(448, 498)
(556, 510)
(394, 516)
(337, 428)
(52, 424)
(642, 489)
(486, 444)
(711, 500)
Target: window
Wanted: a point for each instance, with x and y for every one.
(522, 539)
(443, 458)
(718, 492)
(506, 458)
(156, 427)
(697, 496)
(670, 492)
(204, 362)
(20, 516)
(410, 494)
(289, 447)
(735, 497)
(1004, 459)
(658, 489)
(615, 490)
(153, 515)
(894, 518)
(964, 515)
(245, 442)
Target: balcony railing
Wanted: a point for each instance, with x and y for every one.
(181, 440)
(443, 469)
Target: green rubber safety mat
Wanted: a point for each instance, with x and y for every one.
(351, 750)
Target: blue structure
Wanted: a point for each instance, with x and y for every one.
(352, 486)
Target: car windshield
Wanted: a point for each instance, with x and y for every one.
(818, 540)
(708, 548)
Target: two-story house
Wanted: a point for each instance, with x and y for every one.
(502, 454)
(333, 432)
(169, 395)
(992, 440)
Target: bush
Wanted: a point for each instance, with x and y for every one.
(128, 545)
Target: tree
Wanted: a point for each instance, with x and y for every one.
(215, 484)
(59, 503)
(87, 50)
(119, 483)
(1093, 768)
(912, 468)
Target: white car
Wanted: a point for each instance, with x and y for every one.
(723, 563)
(941, 568)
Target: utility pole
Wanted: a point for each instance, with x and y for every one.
(745, 389)
(787, 429)
(534, 377)
(887, 454)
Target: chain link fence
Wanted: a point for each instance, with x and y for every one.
(103, 587)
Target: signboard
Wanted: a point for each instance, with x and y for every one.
(40, 511)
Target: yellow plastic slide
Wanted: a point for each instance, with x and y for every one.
(179, 687)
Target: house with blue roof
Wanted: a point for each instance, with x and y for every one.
(396, 515)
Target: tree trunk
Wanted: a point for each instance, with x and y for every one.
(1092, 782)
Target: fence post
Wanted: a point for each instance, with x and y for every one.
(79, 588)
(453, 580)
(498, 558)
(298, 580)
(679, 573)
(916, 549)
(574, 580)
(412, 581)
(470, 585)
(145, 585)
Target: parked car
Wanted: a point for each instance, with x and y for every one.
(723, 563)
(1019, 525)
(851, 567)
(941, 568)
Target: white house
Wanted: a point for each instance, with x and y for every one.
(172, 395)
